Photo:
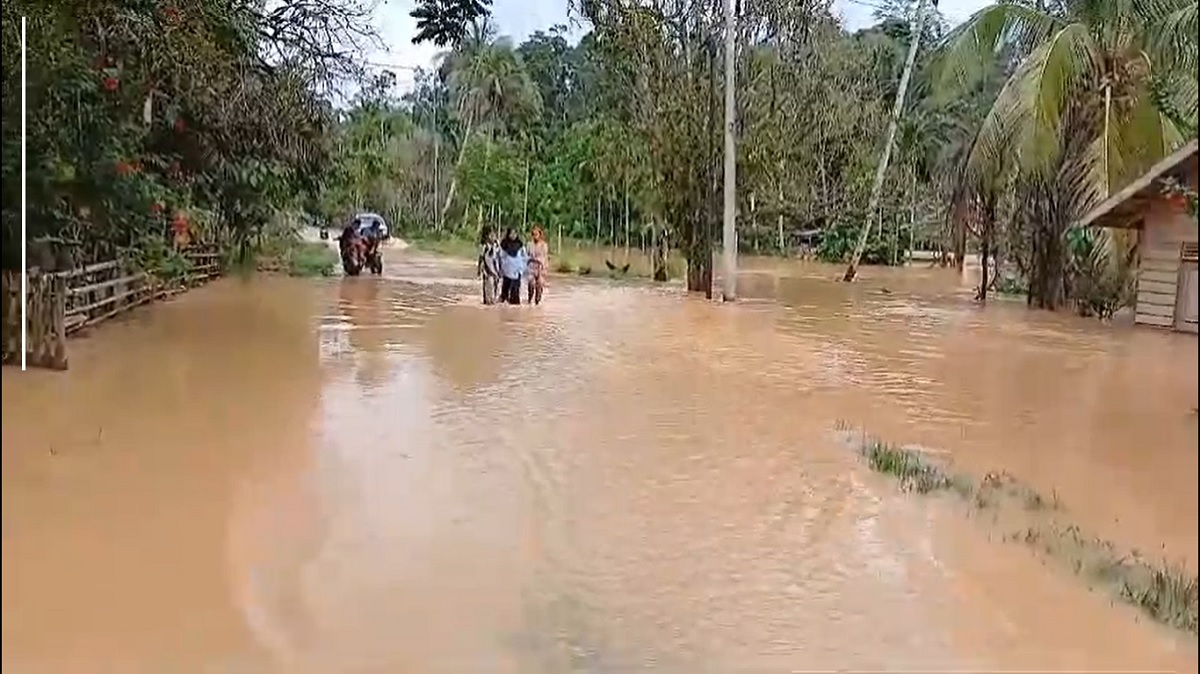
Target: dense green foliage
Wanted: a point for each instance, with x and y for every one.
(141, 114)
(552, 132)
(445, 22)
(1015, 124)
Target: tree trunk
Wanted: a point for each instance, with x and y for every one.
(912, 217)
(462, 151)
(700, 256)
(779, 217)
(754, 223)
(1048, 258)
(985, 249)
(881, 171)
(626, 218)
(433, 208)
(525, 204)
(612, 230)
(960, 244)
(659, 243)
(823, 172)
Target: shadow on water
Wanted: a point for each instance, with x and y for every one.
(379, 475)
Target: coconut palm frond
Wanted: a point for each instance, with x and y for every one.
(1175, 95)
(1027, 114)
(1171, 33)
(1135, 138)
(969, 50)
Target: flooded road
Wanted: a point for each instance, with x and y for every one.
(380, 476)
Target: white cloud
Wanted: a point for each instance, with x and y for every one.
(858, 14)
(396, 29)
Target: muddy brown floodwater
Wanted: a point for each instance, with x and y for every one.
(380, 476)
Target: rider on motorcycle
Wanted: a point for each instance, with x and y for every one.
(349, 235)
(373, 232)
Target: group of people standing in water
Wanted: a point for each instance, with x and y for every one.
(504, 263)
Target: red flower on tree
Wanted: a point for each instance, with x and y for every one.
(124, 168)
(111, 83)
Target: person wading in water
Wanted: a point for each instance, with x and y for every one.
(512, 267)
(539, 265)
(489, 265)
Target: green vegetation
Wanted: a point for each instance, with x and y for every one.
(143, 115)
(569, 257)
(280, 248)
(1015, 123)
(307, 258)
(1165, 592)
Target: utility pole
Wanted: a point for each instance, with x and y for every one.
(729, 237)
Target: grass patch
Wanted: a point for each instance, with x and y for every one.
(448, 245)
(1165, 592)
(307, 258)
(297, 258)
(569, 256)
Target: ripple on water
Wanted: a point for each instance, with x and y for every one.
(618, 479)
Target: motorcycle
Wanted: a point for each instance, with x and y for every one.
(373, 257)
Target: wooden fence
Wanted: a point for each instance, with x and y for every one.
(65, 302)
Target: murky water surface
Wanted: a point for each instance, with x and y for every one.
(378, 475)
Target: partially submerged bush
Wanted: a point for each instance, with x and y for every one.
(306, 258)
(1100, 272)
(1165, 592)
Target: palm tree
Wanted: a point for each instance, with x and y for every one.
(490, 88)
(881, 170)
(1098, 91)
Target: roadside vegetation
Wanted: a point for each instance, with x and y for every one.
(222, 115)
(1165, 592)
(567, 257)
(204, 116)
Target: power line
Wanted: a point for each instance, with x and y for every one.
(867, 4)
(393, 66)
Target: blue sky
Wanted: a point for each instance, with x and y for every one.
(521, 18)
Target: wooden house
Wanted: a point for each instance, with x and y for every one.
(1167, 283)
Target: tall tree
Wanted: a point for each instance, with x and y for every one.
(1081, 113)
(893, 122)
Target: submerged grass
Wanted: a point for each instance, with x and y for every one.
(914, 473)
(1167, 593)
